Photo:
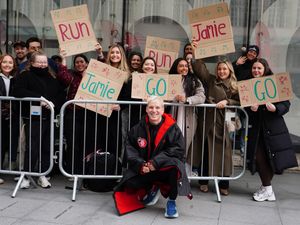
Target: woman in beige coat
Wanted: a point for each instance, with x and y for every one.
(192, 94)
(221, 90)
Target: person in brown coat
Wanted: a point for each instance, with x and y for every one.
(222, 91)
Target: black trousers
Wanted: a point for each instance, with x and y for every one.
(37, 145)
(146, 181)
(263, 165)
(9, 138)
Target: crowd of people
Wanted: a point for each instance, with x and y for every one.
(157, 147)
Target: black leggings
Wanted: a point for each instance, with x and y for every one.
(146, 181)
(263, 166)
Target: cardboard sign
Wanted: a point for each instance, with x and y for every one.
(164, 85)
(101, 82)
(275, 88)
(74, 30)
(163, 51)
(211, 28)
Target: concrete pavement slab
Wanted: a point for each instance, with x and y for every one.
(54, 206)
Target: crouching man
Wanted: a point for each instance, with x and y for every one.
(155, 157)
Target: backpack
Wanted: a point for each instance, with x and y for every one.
(98, 168)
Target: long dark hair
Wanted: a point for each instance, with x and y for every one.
(265, 63)
(81, 56)
(190, 83)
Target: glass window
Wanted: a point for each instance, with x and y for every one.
(271, 24)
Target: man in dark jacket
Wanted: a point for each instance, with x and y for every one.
(155, 157)
(243, 71)
(242, 66)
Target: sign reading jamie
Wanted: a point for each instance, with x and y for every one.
(211, 28)
(164, 51)
(164, 85)
(101, 82)
(74, 30)
(261, 90)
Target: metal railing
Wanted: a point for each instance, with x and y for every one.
(26, 138)
(212, 152)
(204, 128)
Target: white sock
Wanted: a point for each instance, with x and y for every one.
(269, 188)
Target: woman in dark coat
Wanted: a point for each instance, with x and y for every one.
(79, 125)
(269, 144)
(85, 130)
(37, 81)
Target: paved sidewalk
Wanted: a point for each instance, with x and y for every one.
(54, 206)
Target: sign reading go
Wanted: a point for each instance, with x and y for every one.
(261, 90)
(163, 85)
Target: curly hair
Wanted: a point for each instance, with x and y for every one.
(131, 55)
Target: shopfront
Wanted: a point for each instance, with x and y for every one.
(271, 24)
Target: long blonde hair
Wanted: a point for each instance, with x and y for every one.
(123, 63)
(232, 77)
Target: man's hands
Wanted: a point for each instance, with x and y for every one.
(147, 167)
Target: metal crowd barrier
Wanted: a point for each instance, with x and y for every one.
(235, 120)
(89, 133)
(23, 123)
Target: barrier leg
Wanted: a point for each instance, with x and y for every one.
(32, 181)
(217, 190)
(74, 188)
(18, 185)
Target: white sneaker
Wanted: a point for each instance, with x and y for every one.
(25, 184)
(263, 195)
(1, 181)
(43, 182)
(195, 173)
(258, 191)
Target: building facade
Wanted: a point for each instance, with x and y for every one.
(271, 24)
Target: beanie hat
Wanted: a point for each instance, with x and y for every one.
(253, 48)
(19, 43)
